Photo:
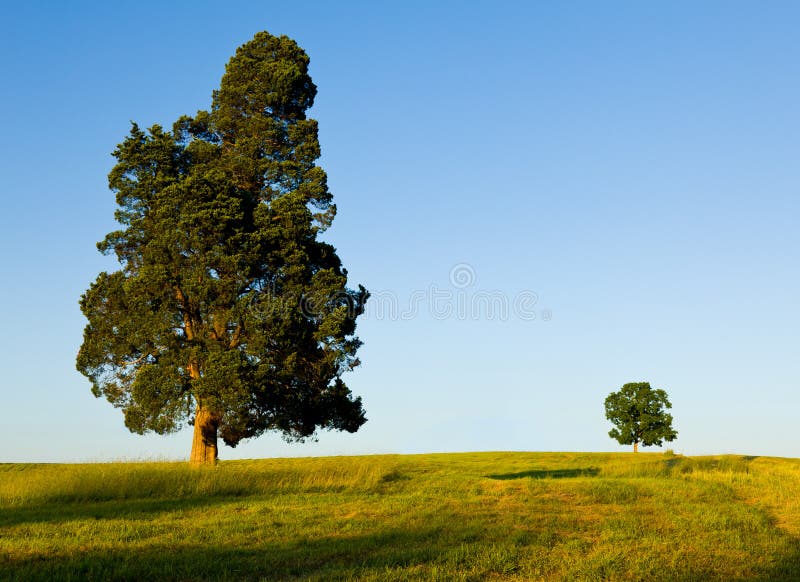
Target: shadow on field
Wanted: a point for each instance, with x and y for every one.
(786, 567)
(316, 559)
(547, 474)
(129, 509)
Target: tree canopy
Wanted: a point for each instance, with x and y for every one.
(228, 311)
(638, 413)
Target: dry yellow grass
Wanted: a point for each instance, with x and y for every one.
(475, 516)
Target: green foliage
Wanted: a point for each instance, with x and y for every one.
(226, 299)
(473, 516)
(638, 412)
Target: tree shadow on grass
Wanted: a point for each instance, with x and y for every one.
(547, 474)
(786, 567)
(129, 509)
(327, 558)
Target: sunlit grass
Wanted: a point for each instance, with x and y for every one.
(30, 484)
(473, 516)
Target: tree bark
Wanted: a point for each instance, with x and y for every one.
(636, 447)
(204, 442)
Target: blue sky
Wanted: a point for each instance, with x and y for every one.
(632, 164)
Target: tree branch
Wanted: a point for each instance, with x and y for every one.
(140, 358)
(236, 335)
(187, 319)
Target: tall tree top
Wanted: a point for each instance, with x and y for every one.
(267, 76)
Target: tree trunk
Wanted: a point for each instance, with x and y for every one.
(204, 442)
(635, 446)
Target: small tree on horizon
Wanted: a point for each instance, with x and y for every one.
(228, 313)
(638, 412)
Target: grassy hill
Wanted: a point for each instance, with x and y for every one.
(474, 516)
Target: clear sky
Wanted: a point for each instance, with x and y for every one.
(633, 164)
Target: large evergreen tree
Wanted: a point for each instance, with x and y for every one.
(228, 312)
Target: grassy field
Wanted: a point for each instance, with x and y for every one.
(475, 516)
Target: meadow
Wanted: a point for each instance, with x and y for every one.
(470, 516)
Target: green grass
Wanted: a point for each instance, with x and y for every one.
(475, 516)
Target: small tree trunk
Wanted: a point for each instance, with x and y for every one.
(204, 442)
(636, 447)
